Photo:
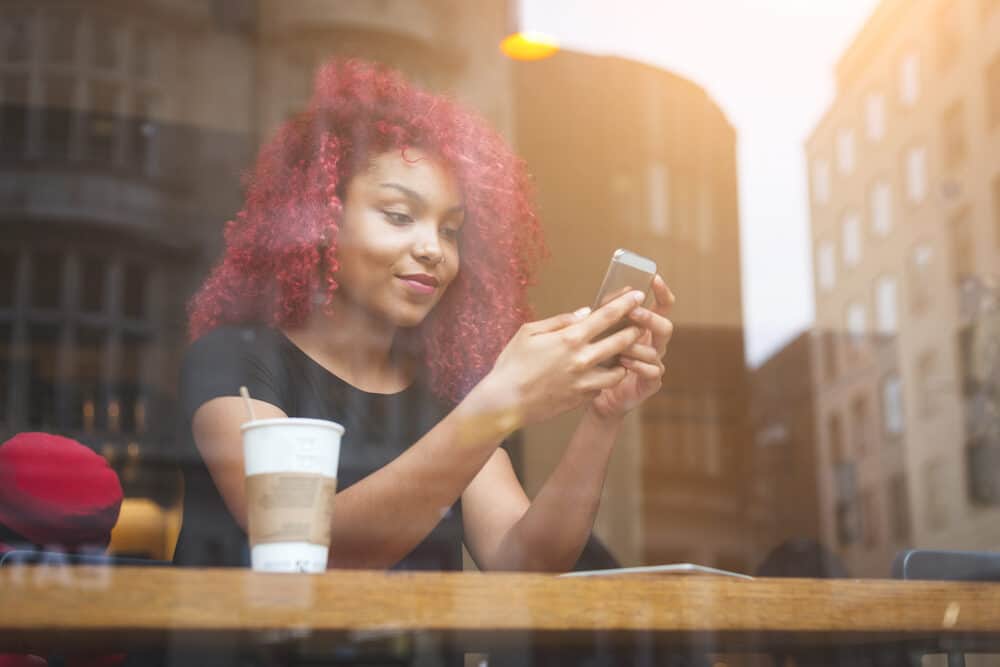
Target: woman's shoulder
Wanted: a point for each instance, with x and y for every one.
(243, 336)
(236, 347)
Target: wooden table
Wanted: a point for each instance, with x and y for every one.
(69, 608)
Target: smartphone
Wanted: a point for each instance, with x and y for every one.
(627, 271)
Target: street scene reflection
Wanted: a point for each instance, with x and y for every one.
(126, 128)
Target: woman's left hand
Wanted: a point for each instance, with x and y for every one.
(643, 360)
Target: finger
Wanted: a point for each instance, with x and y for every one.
(644, 370)
(608, 347)
(599, 378)
(641, 352)
(609, 313)
(557, 322)
(664, 296)
(660, 327)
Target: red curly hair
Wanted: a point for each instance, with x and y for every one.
(281, 249)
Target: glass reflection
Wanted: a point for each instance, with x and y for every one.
(125, 129)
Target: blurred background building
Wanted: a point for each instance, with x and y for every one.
(905, 210)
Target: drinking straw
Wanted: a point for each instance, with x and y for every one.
(246, 401)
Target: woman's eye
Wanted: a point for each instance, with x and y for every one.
(397, 218)
(450, 233)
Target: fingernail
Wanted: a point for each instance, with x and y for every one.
(638, 297)
(581, 312)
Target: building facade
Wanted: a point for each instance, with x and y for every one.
(905, 212)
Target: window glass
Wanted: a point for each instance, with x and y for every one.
(880, 205)
(845, 151)
(875, 116)
(909, 79)
(856, 322)
(659, 206)
(916, 174)
(852, 238)
(827, 265)
(886, 307)
(397, 216)
(821, 181)
(892, 405)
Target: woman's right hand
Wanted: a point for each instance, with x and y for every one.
(553, 365)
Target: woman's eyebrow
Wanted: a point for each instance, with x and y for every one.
(417, 197)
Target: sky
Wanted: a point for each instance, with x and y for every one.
(769, 64)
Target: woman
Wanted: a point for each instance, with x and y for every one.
(377, 277)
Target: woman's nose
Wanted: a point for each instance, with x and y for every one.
(428, 247)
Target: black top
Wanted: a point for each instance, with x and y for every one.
(378, 428)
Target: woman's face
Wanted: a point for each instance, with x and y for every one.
(398, 241)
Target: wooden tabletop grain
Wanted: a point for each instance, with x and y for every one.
(81, 606)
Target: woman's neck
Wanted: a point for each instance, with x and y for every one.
(354, 346)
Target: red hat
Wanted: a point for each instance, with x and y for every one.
(55, 491)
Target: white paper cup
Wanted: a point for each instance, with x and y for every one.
(291, 481)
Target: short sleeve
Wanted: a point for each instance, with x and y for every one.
(223, 360)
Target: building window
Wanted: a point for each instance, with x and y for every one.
(102, 123)
(829, 342)
(852, 239)
(845, 151)
(927, 384)
(920, 277)
(886, 306)
(144, 133)
(860, 425)
(821, 181)
(996, 208)
(949, 33)
(15, 36)
(916, 174)
(856, 323)
(14, 111)
(826, 265)
(875, 116)
(659, 202)
(146, 54)
(8, 279)
(835, 435)
(993, 93)
(962, 246)
(935, 505)
(134, 291)
(47, 280)
(93, 273)
(893, 419)
(953, 135)
(870, 518)
(107, 43)
(983, 466)
(880, 203)
(57, 117)
(60, 29)
(909, 79)
(899, 509)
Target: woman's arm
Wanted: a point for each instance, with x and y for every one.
(543, 371)
(506, 531)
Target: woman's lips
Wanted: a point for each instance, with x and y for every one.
(418, 286)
